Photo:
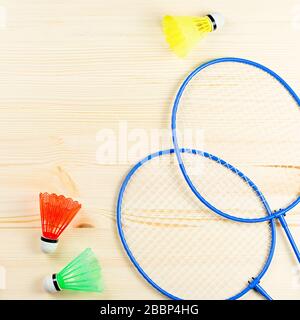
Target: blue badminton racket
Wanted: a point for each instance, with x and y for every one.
(248, 115)
(178, 245)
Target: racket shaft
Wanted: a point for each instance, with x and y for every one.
(289, 236)
(263, 292)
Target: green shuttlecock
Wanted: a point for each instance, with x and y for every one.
(81, 274)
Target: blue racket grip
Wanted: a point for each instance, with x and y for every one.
(290, 237)
(263, 292)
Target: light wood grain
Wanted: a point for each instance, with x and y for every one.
(72, 68)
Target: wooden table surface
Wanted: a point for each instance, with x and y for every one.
(71, 69)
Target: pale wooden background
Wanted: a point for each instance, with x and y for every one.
(71, 68)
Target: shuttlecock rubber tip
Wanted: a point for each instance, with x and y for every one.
(219, 20)
(48, 246)
(49, 284)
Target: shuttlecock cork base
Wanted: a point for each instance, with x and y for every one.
(51, 284)
(48, 245)
(217, 20)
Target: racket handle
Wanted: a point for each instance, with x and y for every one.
(290, 237)
(262, 291)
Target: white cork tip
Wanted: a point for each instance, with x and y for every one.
(219, 19)
(48, 247)
(49, 285)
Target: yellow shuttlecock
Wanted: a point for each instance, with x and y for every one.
(184, 32)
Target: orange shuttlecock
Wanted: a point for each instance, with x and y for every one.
(56, 214)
